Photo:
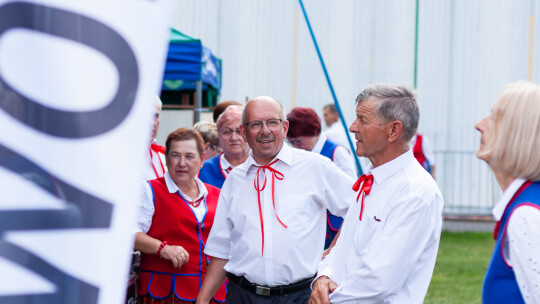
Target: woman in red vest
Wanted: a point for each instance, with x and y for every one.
(175, 216)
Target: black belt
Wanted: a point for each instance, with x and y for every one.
(269, 291)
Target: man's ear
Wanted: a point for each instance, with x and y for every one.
(395, 128)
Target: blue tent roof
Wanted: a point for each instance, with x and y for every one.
(189, 61)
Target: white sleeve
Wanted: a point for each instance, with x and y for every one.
(146, 208)
(338, 194)
(345, 161)
(386, 264)
(524, 245)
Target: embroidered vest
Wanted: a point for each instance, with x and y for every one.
(500, 285)
(211, 172)
(175, 222)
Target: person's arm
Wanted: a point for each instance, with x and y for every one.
(215, 276)
(413, 225)
(338, 193)
(147, 244)
(524, 241)
(327, 251)
(345, 161)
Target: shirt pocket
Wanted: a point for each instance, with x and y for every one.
(368, 231)
(298, 212)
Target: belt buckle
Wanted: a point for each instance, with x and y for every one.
(262, 291)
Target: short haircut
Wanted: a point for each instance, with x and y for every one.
(232, 112)
(208, 131)
(303, 122)
(185, 134)
(516, 130)
(331, 107)
(281, 111)
(220, 107)
(395, 102)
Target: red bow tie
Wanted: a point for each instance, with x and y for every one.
(367, 182)
(256, 184)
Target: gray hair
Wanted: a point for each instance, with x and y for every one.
(282, 112)
(395, 102)
(208, 132)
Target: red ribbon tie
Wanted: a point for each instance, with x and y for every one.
(257, 185)
(366, 181)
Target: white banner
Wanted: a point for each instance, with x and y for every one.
(77, 86)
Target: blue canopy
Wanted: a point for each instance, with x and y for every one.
(189, 61)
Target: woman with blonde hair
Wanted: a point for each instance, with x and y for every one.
(510, 145)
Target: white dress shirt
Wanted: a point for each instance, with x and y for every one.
(342, 157)
(311, 184)
(146, 202)
(389, 256)
(522, 243)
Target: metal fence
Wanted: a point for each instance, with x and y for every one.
(468, 185)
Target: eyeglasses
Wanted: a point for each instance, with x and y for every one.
(228, 133)
(272, 124)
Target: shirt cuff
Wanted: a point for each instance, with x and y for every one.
(326, 271)
(219, 255)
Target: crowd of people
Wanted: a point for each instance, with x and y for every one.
(263, 207)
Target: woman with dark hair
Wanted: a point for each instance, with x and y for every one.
(510, 145)
(175, 216)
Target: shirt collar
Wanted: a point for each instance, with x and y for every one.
(284, 155)
(499, 208)
(173, 188)
(384, 171)
(319, 144)
(224, 162)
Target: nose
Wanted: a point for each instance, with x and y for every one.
(480, 125)
(236, 134)
(353, 128)
(264, 128)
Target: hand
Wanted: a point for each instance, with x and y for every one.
(176, 254)
(322, 287)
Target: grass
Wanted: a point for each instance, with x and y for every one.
(459, 271)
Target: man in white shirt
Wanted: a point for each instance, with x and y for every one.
(334, 131)
(389, 239)
(156, 167)
(270, 223)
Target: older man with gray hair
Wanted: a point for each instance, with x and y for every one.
(390, 236)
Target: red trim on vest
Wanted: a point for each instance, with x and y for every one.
(172, 218)
(417, 150)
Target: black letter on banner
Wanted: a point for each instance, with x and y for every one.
(91, 33)
(81, 209)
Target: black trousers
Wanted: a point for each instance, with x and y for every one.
(239, 295)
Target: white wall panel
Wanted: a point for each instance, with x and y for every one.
(467, 51)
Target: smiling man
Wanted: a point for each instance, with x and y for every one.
(389, 239)
(269, 231)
